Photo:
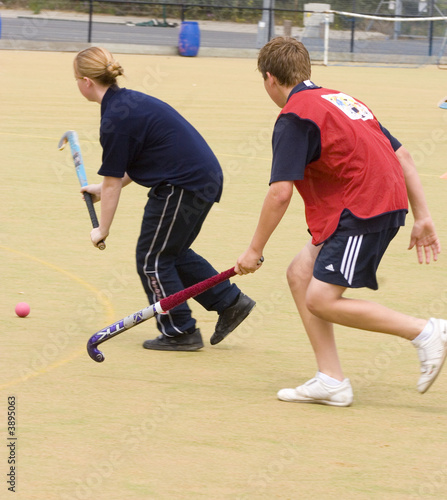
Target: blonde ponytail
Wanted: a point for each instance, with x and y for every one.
(98, 64)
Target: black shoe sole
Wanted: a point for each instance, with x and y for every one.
(161, 347)
(216, 338)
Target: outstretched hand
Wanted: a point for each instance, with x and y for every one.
(425, 239)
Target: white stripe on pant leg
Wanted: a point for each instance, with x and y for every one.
(157, 257)
(154, 239)
(149, 252)
(179, 202)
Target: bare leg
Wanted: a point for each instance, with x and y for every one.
(326, 302)
(320, 331)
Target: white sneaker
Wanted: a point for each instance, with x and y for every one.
(316, 391)
(432, 354)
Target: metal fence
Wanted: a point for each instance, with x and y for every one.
(302, 14)
(387, 35)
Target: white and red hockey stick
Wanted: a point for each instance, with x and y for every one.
(160, 307)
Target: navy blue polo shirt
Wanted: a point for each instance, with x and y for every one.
(154, 144)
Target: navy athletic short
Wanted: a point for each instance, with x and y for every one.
(352, 261)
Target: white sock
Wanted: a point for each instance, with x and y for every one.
(425, 334)
(328, 380)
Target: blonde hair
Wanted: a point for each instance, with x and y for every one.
(285, 58)
(99, 65)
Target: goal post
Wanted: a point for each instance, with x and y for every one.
(375, 35)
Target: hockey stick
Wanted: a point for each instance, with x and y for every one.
(160, 307)
(72, 137)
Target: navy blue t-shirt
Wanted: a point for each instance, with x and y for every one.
(154, 144)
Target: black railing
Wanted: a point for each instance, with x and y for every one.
(267, 11)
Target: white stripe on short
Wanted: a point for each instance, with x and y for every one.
(350, 257)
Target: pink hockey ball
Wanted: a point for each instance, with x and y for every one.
(22, 309)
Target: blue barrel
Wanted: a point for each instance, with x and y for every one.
(189, 38)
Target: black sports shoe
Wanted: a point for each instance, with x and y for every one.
(232, 317)
(184, 342)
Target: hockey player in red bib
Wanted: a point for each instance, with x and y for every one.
(355, 179)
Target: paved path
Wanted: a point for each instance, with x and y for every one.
(23, 29)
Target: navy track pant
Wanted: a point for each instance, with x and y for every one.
(166, 264)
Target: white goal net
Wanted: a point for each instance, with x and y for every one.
(353, 37)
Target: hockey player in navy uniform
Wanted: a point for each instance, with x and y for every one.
(146, 141)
